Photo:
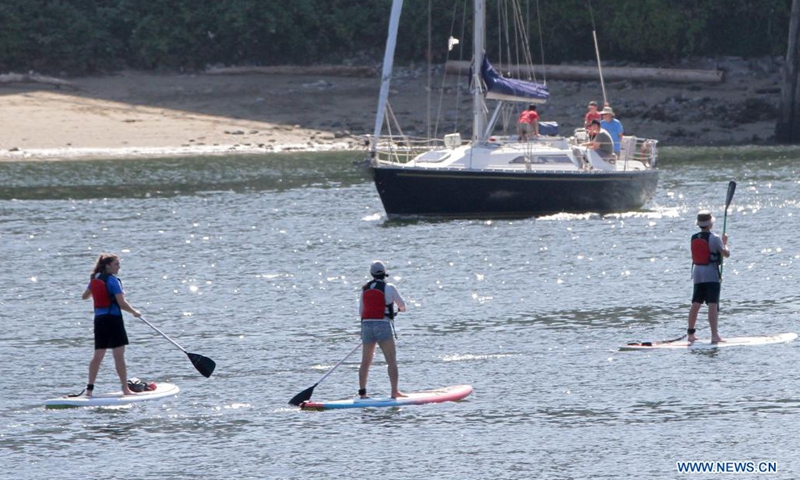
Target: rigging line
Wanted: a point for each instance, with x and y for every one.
(504, 52)
(591, 14)
(523, 35)
(526, 53)
(526, 18)
(444, 74)
(458, 84)
(515, 49)
(390, 111)
(509, 23)
(597, 53)
(520, 37)
(390, 144)
(388, 120)
(430, 68)
(541, 42)
(500, 42)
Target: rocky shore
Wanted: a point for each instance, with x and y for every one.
(147, 114)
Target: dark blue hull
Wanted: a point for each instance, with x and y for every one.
(473, 194)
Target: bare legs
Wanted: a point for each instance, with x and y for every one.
(94, 367)
(713, 321)
(713, 317)
(119, 364)
(390, 354)
(693, 320)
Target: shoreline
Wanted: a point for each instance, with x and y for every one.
(67, 154)
(144, 115)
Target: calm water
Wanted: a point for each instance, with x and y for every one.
(257, 263)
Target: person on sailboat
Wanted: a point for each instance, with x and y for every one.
(592, 114)
(528, 123)
(376, 307)
(612, 126)
(707, 252)
(601, 141)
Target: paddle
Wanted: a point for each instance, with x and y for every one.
(728, 199)
(305, 395)
(204, 365)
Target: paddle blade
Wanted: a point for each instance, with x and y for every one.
(303, 396)
(731, 191)
(204, 365)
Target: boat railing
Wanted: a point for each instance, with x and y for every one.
(402, 148)
(637, 149)
(632, 149)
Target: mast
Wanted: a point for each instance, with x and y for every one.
(478, 106)
(386, 76)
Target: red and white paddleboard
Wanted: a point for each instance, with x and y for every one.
(444, 394)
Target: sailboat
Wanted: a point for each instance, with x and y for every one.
(495, 176)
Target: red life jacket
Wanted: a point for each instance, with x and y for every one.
(374, 299)
(701, 249)
(100, 295)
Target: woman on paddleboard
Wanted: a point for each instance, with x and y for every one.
(707, 251)
(109, 329)
(376, 308)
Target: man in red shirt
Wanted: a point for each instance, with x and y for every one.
(528, 123)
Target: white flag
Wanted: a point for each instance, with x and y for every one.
(451, 42)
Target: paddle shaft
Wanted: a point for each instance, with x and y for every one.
(337, 365)
(163, 335)
(728, 199)
(204, 365)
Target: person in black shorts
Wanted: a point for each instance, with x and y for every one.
(109, 329)
(708, 249)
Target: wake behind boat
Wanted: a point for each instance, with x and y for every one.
(501, 175)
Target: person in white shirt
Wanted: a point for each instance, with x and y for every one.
(376, 308)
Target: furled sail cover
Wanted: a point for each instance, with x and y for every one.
(511, 90)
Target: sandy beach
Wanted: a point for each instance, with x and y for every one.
(132, 114)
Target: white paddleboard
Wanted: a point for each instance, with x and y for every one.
(446, 394)
(705, 344)
(163, 390)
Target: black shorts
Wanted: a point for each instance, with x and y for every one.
(109, 332)
(706, 292)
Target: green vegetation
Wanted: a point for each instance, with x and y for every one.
(89, 36)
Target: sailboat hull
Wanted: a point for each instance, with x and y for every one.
(408, 192)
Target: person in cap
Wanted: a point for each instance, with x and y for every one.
(707, 251)
(612, 126)
(376, 307)
(527, 123)
(591, 114)
(600, 141)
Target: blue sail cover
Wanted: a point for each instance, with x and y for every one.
(512, 90)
